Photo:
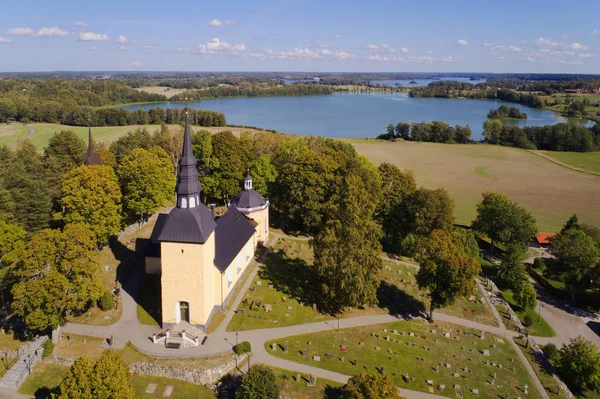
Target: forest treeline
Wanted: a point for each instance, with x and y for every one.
(435, 132)
(296, 89)
(506, 112)
(559, 137)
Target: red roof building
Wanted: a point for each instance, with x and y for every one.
(542, 238)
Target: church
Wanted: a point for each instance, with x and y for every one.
(200, 258)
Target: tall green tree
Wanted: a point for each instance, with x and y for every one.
(504, 221)
(347, 250)
(576, 254)
(492, 129)
(572, 223)
(107, 378)
(511, 273)
(465, 239)
(12, 238)
(579, 365)
(91, 195)
(445, 270)
(428, 210)
(67, 148)
(525, 295)
(138, 138)
(147, 180)
(259, 382)
(370, 385)
(228, 172)
(58, 273)
(263, 174)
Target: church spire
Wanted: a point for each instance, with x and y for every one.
(188, 187)
(91, 157)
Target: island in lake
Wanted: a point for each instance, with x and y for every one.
(504, 112)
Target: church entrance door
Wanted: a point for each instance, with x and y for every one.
(184, 311)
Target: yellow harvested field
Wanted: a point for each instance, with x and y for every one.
(167, 91)
(550, 191)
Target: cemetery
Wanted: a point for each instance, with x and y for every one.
(437, 358)
(285, 292)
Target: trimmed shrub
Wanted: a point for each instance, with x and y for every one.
(107, 301)
(550, 351)
(242, 347)
(48, 348)
(527, 321)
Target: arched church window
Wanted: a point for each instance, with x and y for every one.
(192, 202)
(184, 202)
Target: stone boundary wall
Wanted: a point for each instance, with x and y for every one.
(539, 354)
(207, 377)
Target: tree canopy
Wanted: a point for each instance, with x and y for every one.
(56, 274)
(370, 385)
(91, 195)
(445, 270)
(12, 238)
(579, 364)
(504, 221)
(259, 382)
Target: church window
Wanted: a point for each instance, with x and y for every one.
(184, 202)
(239, 264)
(182, 250)
(229, 278)
(193, 202)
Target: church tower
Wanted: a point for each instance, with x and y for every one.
(189, 279)
(91, 157)
(255, 207)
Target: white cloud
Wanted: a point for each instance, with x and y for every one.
(218, 23)
(51, 32)
(80, 24)
(123, 48)
(122, 39)
(307, 53)
(462, 42)
(404, 50)
(148, 46)
(338, 36)
(4, 40)
(546, 42)
(20, 31)
(217, 45)
(422, 58)
(451, 58)
(585, 55)
(499, 59)
(502, 47)
(136, 64)
(577, 47)
(381, 48)
(92, 37)
(596, 32)
(376, 57)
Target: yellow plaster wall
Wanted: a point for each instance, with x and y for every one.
(188, 274)
(234, 266)
(262, 218)
(152, 265)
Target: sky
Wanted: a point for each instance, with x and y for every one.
(301, 35)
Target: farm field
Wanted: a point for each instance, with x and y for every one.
(167, 91)
(412, 353)
(105, 134)
(551, 192)
(585, 160)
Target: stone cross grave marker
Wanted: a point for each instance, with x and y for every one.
(525, 389)
(312, 380)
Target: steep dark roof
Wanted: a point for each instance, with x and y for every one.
(153, 246)
(187, 178)
(232, 233)
(192, 225)
(91, 157)
(248, 199)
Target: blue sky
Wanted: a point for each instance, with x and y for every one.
(301, 35)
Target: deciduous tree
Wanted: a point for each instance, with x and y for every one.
(91, 195)
(263, 174)
(525, 295)
(445, 270)
(370, 385)
(511, 273)
(12, 238)
(579, 365)
(67, 148)
(259, 382)
(57, 274)
(147, 179)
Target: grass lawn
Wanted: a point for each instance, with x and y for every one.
(548, 382)
(167, 91)
(8, 342)
(400, 358)
(181, 389)
(75, 347)
(288, 273)
(548, 190)
(97, 317)
(292, 389)
(539, 329)
(9, 133)
(44, 379)
(584, 160)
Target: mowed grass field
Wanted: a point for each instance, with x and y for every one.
(550, 191)
(167, 91)
(107, 134)
(584, 160)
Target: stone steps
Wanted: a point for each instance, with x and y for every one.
(15, 376)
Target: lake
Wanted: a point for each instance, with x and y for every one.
(423, 82)
(354, 115)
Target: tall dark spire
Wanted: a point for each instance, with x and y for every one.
(188, 185)
(91, 157)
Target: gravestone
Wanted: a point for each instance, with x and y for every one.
(343, 358)
(274, 347)
(151, 388)
(486, 352)
(377, 348)
(317, 358)
(168, 391)
(456, 375)
(525, 389)
(441, 387)
(437, 369)
(298, 377)
(285, 347)
(475, 392)
(329, 355)
(411, 334)
(312, 381)
(304, 351)
(447, 335)
(482, 336)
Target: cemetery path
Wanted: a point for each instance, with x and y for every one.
(490, 304)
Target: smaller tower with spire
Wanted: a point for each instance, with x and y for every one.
(253, 205)
(91, 157)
